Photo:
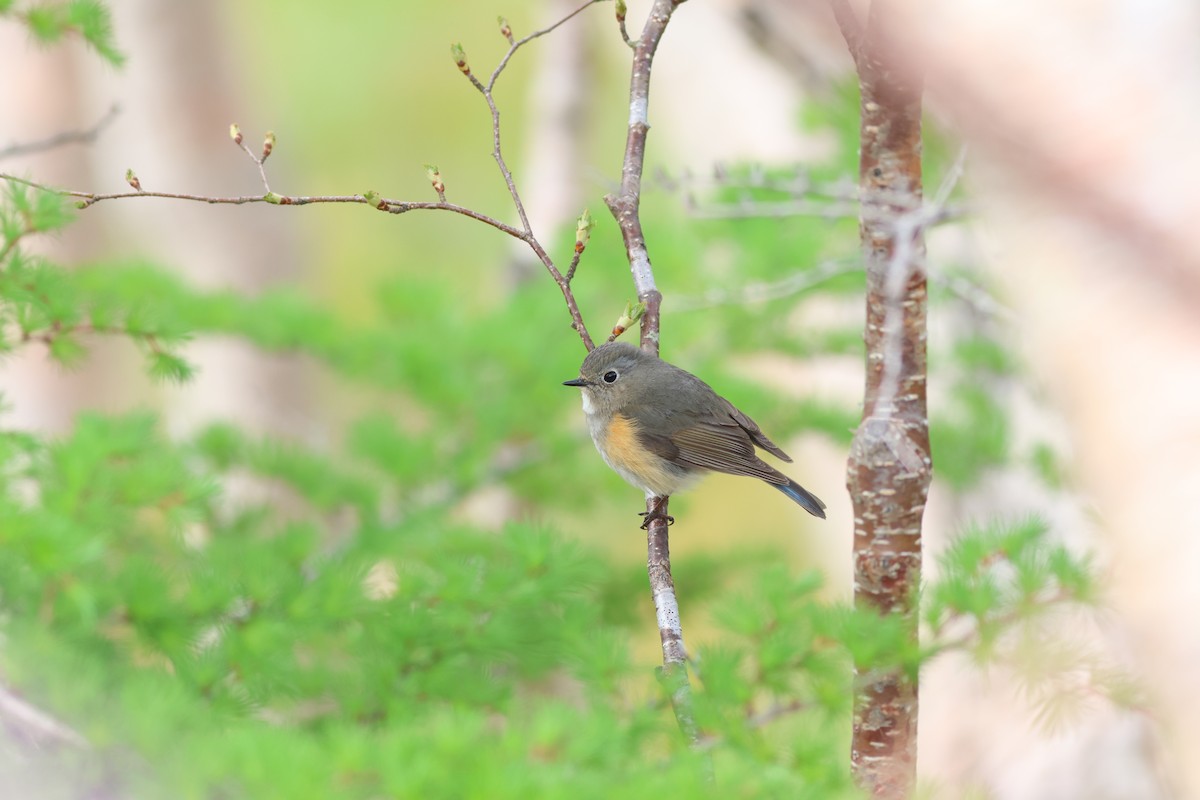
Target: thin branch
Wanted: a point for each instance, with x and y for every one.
(759, 720)
(850, 25)
(524, 233)
(950, 180)
(972, 294)
(564, 282)
(497, 152)
(514, 46)
(775, 712)
(760, 209)
(88, 199)
(797, 184)
(85, 136)
(621, 11)
(803, 197)
(574, 265)
(57, 331)
(624, 207)
(33, 723)
(971, 638)
(259, 161)
(798, 281)
(486, 91)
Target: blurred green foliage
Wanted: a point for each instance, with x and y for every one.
(51, 21)
(227, 615)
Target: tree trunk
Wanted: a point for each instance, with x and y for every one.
(890, 466)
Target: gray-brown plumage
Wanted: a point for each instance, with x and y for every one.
(660, 426)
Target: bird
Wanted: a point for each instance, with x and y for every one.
(660, 427)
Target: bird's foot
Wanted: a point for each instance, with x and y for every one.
(657, 513)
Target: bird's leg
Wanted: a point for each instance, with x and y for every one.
(650, 516)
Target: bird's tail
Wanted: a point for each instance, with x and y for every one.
(809, 501)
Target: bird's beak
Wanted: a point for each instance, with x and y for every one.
(575, 382)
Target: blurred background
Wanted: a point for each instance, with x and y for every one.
(1075, 249)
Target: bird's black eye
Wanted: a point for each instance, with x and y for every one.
(611, 376)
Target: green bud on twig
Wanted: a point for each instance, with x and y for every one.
(583, 230)
(268, 145)
(460, 58)
(632, 314)
(374, 199)
(435, 179)
(505, 29)
(132, 180)
(273, 199)
(235, 133)
(621, 10)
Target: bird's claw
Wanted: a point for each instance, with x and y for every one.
(650, 516)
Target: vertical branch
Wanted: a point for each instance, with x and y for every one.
(624, 207)
(625, 203)
(889, 468)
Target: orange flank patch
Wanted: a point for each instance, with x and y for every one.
(633, 462)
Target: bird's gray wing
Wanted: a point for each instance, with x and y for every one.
(720, 447)
(755, 432)
(718, 432)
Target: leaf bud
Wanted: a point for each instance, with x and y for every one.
(460, 58)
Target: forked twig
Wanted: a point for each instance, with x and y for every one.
(523, 232)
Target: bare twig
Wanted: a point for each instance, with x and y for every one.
(574, 265)
(583, 234)
(624, 207)
(87, 199)
(85, 136)
(970, 638)
(517, 45)
(796, 184)
(803, 198)
(259, 160)
(564, 282)
(524, 232)
(621, 11)
(850, 25)
(34, 724)
(760, 209)
(759, 720)
(798, 281)
(972, 294)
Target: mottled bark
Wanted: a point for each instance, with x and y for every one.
(890, 467)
